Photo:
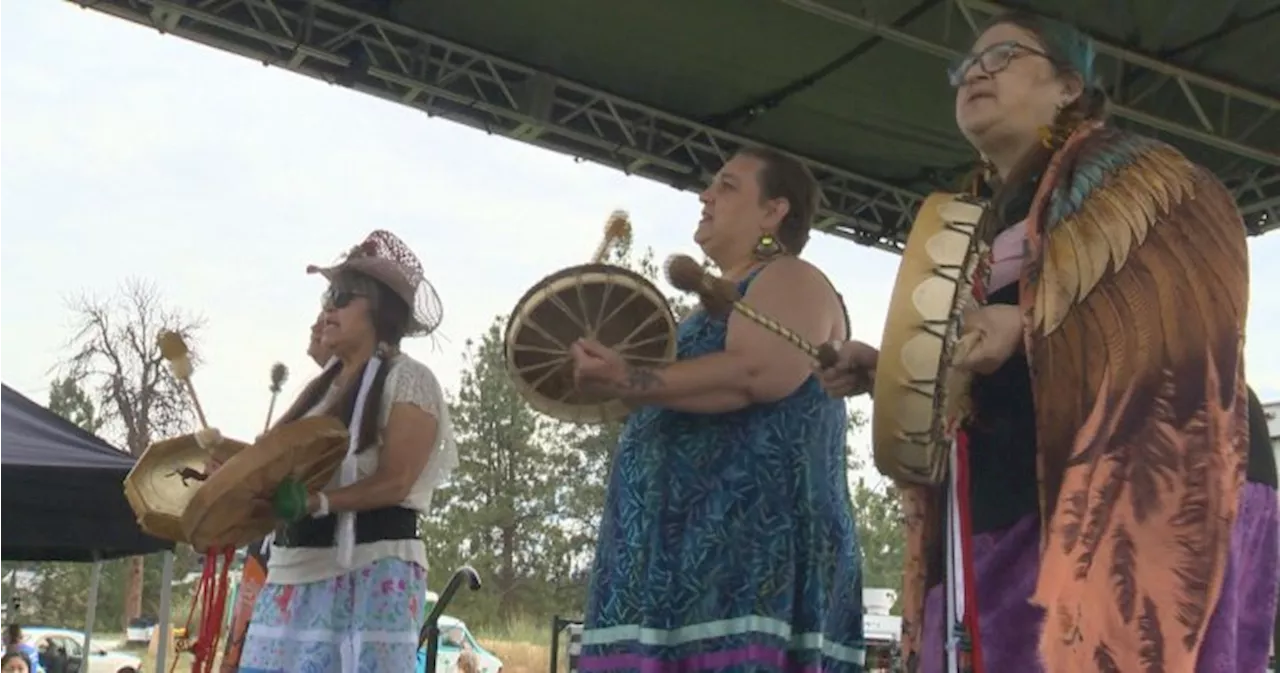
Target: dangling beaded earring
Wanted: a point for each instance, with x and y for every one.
(767, 247)
(1046, 137)
(1056, 133)
(979, 181)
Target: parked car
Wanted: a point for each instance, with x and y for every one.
(141, 630)
(881, 629)
(454, 638)
(67, 645)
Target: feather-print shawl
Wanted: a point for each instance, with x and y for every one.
(1134, 296)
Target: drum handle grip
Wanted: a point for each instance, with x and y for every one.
(686, 274)
(601, 251)
(825, 354)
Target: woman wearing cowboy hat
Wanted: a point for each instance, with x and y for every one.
(347, 575)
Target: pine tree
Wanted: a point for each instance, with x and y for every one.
(496, 510)
(68, 400)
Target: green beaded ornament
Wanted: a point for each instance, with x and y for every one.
(290, 500)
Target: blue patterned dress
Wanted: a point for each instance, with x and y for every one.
(728, 541)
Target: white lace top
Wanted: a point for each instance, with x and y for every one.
(408, 382)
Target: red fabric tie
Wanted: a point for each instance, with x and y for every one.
(966, 552)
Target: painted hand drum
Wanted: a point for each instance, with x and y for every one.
(615, 306)
(911, 437)
(165, 478)
(232, 508)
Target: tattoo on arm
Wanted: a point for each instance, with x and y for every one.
(642, 379)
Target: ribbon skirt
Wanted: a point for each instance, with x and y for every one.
(1007, 564)
(366, 620)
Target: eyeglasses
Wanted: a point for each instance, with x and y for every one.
(334, 298)
(992, 60)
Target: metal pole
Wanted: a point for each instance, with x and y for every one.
(14, 604)
(166, 593)
(90, 612)
(575, 645)
(555, 643)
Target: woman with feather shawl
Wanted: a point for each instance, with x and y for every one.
(1119, 519)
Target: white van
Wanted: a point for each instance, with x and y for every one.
(881, 629)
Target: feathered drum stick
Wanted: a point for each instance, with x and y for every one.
(720, 296)
(279, 374)
(173, 348)
(618, 227)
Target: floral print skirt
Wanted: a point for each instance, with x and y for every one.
(366, 620)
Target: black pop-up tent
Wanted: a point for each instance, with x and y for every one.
(61, 490)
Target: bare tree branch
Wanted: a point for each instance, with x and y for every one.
(115, 359)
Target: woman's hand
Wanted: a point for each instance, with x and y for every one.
(597, 368)
(989, 337)
(854, 373)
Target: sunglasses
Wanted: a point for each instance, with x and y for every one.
(335, 299)
(993, 60)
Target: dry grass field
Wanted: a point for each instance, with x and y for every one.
(518, 657)
(524, 646)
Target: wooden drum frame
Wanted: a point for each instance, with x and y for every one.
(615, 306)
(233, 507)
(909, 423)
(163, 481)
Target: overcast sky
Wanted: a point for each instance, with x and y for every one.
(131, 154)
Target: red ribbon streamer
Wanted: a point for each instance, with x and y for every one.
(211, 597)
(966, 553)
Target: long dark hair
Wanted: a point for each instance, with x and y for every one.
(390, 317)
(1011, 197)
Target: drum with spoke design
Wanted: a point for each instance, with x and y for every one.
(615, 306)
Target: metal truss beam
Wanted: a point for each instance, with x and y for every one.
(1227, 115)
(1260, 192)
(339, 45)
(326, 40)
(1252, 178)
(1256, 107)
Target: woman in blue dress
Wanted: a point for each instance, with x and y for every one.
(728, 541)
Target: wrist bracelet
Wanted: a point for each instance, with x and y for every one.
(322, 510)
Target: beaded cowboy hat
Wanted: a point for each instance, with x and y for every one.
(385, 258)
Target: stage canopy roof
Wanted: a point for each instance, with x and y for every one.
(667, 88)
(62, 495)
